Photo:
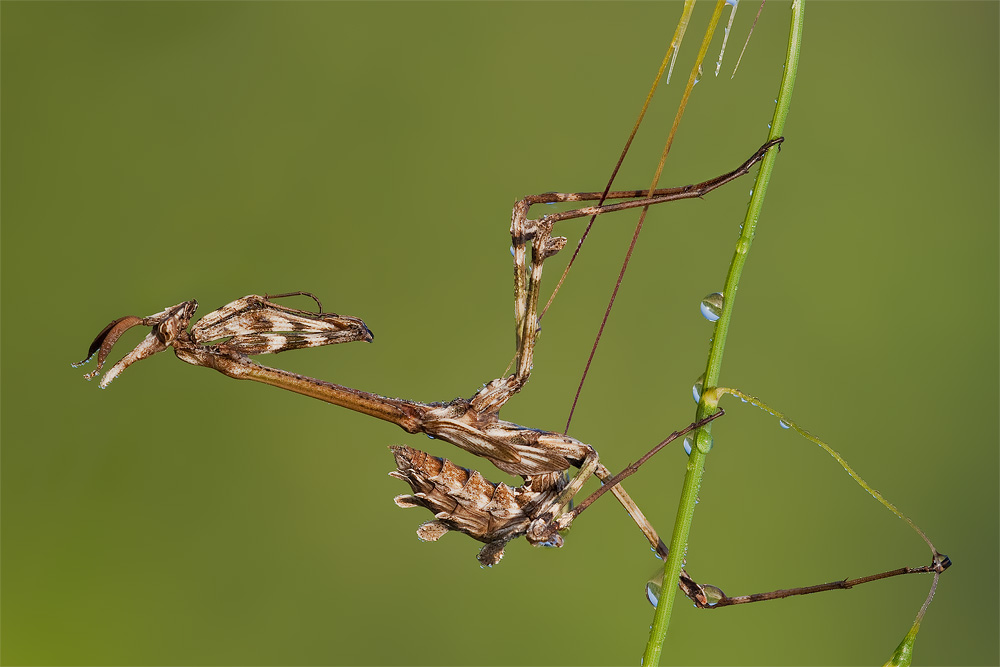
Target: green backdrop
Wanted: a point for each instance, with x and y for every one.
(370, 153)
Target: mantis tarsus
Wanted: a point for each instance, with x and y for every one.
(461, 500)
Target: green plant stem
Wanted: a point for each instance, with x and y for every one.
(696, 462)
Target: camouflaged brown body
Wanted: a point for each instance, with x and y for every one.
(461, 500)
(464, 501)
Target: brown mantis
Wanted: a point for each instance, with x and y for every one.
(461, 500)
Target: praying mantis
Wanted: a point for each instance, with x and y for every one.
(461, 500)
(413, 468)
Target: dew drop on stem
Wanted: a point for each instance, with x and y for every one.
(697, 388)
(654, 587)
(711, 306)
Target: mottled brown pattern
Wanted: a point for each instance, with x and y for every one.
(463, 500)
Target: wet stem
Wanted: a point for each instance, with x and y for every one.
(707, 404)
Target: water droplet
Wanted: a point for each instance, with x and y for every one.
(699, 384)
(77, 364)
(698, 76)
(654, 587)
(783, 424)
(431, 437)
(714, 594)
(704, 441)
(711, 306)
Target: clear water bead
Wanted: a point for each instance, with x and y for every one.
(700, 439)
(714, 594)
(697, 388)
(704, 441)
(654, 587)
(711, 306)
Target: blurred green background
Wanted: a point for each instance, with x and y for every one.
(370, 153)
